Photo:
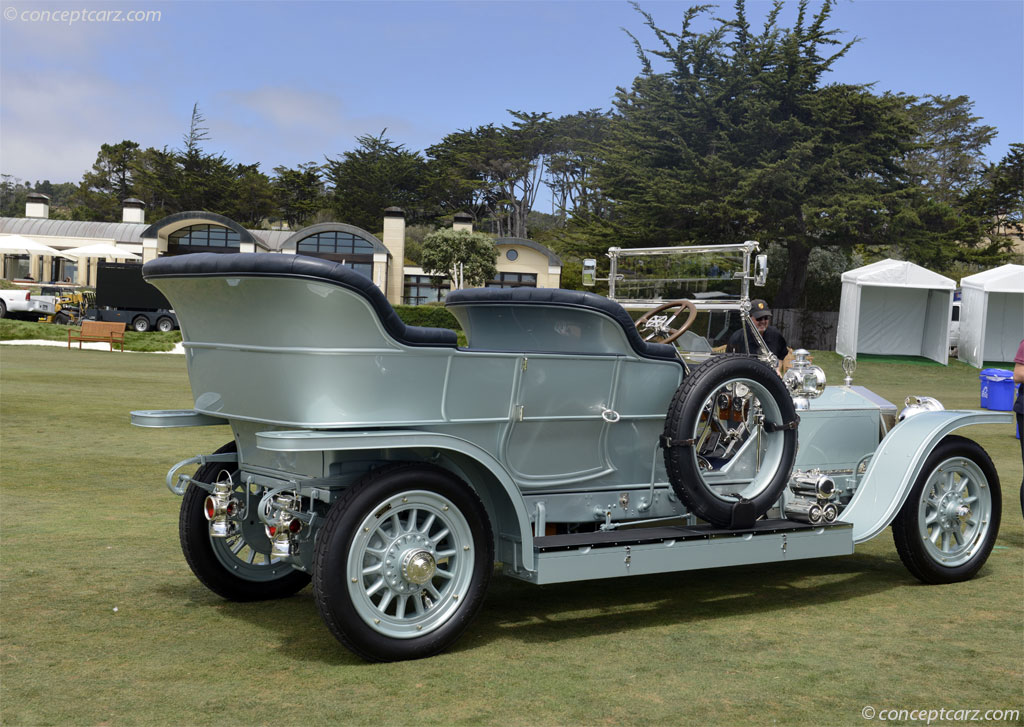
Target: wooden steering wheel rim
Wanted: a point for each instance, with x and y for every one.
(676, 332)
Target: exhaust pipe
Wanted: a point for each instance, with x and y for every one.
(805, 511)
(812, 484)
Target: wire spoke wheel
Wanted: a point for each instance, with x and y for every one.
(954, 511)
(407, 569)
(946, 528)
(403, 562)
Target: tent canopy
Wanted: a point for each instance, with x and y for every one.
(102, 249)
(991, 315)
(20, 245)
(895, 307)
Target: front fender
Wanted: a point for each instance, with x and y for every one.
(898, 461)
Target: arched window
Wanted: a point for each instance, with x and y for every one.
(202, 238)
(340, 246)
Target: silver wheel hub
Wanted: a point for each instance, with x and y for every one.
(418, 566)
(409, 563)
(952, 508)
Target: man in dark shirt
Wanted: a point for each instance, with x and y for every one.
(773, 339)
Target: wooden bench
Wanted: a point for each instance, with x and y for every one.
(98, 331)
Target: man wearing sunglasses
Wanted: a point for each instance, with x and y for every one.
(761, 315)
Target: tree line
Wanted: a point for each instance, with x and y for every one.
(724, 135)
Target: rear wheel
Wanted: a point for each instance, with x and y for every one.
(3, 309)
(948, 525)
(403, 562)
(240, 566)
(141, 324)
(730, 436)
(165, 325)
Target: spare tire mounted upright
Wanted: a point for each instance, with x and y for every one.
(730, 440)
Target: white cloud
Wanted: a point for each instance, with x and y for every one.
(53, 123)
(285, 125)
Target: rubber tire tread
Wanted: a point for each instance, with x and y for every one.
(331, 590)
(904, 527)
(686, 481)
(194, 533)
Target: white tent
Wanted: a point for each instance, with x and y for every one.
(102, 249)
(991, 315)
(895, 307)
(20, 245)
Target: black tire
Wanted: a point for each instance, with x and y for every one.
(62, 319)
(165, 325)
(694, 427)
(227, 573)
(3, 309)
(367, 612)
(932, 512)
(140, 324)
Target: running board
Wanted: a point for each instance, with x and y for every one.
(643, 551)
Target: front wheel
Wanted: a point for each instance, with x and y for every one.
(948, 525)
(403, 562)
(239, 567)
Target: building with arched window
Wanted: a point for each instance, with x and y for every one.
(520, 262)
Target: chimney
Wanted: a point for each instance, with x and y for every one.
(394, 241)
(133, 210)
(462, 221)
(37, 204)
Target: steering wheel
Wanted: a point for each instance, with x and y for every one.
(657, 325)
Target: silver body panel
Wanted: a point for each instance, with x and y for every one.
(549, 414)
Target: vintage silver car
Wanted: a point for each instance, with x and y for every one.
(394, 468)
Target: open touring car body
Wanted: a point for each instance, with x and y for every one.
(546, 434)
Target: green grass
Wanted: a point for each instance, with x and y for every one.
(86, 525)
(151, 341)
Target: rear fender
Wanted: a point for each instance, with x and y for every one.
(898, 462)
(494, 485)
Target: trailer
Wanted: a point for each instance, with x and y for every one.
(123, 296)
(393, 468)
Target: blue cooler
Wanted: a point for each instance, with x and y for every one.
(997, 389)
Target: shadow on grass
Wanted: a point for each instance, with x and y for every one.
(578, 610)
(560, 612)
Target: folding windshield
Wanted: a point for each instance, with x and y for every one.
(715, 278)
(645, 277)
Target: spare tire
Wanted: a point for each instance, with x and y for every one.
(730, 437)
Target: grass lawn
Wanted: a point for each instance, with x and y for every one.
(101, 621)
(16, 330)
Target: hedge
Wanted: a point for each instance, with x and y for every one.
(429, 316)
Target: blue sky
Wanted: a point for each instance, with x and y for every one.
(286, 83)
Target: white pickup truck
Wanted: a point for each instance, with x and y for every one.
(22, 301)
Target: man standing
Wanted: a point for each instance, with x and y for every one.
(761, 314)
(1018, 406)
